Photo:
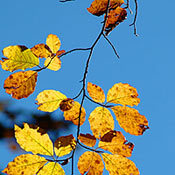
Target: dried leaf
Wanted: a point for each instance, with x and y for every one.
(96, 92)
(87, 139)
(60, 52)
(52, 168)
(21, 84)
(120, 165)
(66, 104)
(101, 121)
(123, 94)
(91, 163)
(26, 164)
(49, 100)
(73, 114)
(130, 120)
(64, 145)
(34, 139)
(53, 42)
(18, 57)
(99, 7)
(115, 142)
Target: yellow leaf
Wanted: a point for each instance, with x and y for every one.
(101, 121)
(53, 42)
(34, 139)
(120, 165)
(41, 51)
(123, 94)
(21, 84)
(130, 120)
(18, 57)
(87, 139)
(66, 104)
(73, 114)
(54, 63)
(96, 92)
(52, 168)
(49, 100)
(64, 145)
(26, 164)
(115, 142)
(98, 7)
(91, 163)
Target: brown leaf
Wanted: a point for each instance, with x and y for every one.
(87, 139)
(66, 104)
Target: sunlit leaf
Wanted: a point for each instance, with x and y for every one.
(99, 7)
(60, 52)
(130, 120)
(34, 139)
(52, 168)
(53, 63)
(123, 94)
(49, 100)
(91, 163)
(115, 142)
(87, 139)
(18, 57)
(53, 42)
(101, 121)
(119, 165)
(64, 145)
(26, 164)
(66, 104)
(21, 84)
(96, 92)
(73, 114)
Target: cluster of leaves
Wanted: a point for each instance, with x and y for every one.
(105, 144)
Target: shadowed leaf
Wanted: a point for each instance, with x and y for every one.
(87, 139)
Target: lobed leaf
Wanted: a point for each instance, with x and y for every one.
(96, 92)
(87, 139)
(115, 142)
(73, 114)
(130, 120)
(21, 84)
(101, 121)
(34, 139)
(120, 165)
(53, 63)
(91, 163)
(26, 164)
(123, 94)
(49, 100)
(18, 57)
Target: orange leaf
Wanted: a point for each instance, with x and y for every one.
(87, 139)
(60, 52)
(130, 120)
(115, 142)
(90, 162)
(99, 7)
(66, 104)
(115, 17)
(73, 114)
(21, 84)
(96, 92)
(123, 94)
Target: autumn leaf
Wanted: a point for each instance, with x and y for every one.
(120, 165)
(64, 145)
(21, 84)
(123, 94)
(99, 7)
(130, 120)
(51, 168)
(66, 104)
(26, 164)
(53, 63)
(34, 139)
(115, 142)
(115, 17)
(101, 121)
(91, 163)
(96, 92)
(18, 57)
(49, 100)
(87, 139)
(73, 114)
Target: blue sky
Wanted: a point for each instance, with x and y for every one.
(146, 62)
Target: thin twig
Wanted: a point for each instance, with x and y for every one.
(127, 7)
